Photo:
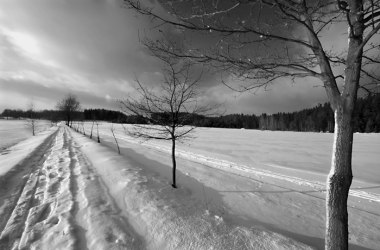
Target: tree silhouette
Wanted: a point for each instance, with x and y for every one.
(69, 106)
(167, 110)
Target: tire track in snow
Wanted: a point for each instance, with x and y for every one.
(62, 204)
(16, 193)
(46, 205)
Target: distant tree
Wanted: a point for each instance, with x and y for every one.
(114, 137)
(6, 113)
(69, 106)
(97, 131)
(31, 119)
(167, 110)
(92, 127)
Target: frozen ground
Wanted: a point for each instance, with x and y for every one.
(237, 190)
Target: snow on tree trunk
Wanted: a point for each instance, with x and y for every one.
(339, 182)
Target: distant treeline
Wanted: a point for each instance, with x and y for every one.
(103, 115)
(366, 118)
(109, 115)
(320, 118)
(52, 115)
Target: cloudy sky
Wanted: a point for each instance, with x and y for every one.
(91, 48)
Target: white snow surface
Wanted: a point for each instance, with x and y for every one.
(238, 189)
(10, 156)
(14, 131)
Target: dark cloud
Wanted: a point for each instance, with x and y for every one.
(91, 48)
(283, 96)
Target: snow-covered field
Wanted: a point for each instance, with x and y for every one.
(14, 131)
(238, 189)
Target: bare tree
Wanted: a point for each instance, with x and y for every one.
(114, 137)
(31, 121)
(264, 40)
(97, 130)
(167, 111)
(92, 127)
(82, 126)
(69, 106)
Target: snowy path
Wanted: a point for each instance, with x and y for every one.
(62, 205)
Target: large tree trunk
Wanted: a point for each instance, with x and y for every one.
(174, 185)
(339, 182)
(340, 177)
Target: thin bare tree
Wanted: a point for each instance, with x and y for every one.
(114, 137)
(92, 127)
(31, 120)
(261, 41)
(97, 131)
(168, 109)
(82, 125)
